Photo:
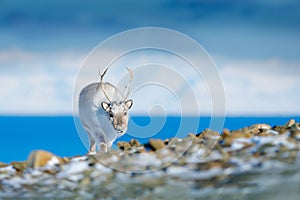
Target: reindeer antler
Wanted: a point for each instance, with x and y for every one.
(103, 74)
(101, 82)
(103, 90)
(127, 87)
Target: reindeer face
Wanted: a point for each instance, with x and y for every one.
(117, 112)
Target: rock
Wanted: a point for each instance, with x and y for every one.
(255, 129)
(280, 129)
(153, 182)
(156, 144)
(19, 166)
(192, 135)
(125, 146)
(201, 164)
(64, 160)
(295, 134)
(226, 132)
(167, 141)
(3, 165)
(42, 158)
(134, 146)
(207, 139)
(85, 182)
(247, 132)
(290, 123)
(134, 143)
(208, 134)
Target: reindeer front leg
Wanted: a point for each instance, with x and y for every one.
(93, 148)
(92, 145)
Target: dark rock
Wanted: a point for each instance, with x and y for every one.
(125, 146)
(280, 129)
(19, 166)
(156, 144)
(135, 143)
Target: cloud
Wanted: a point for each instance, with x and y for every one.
(35, 83)
(38, 83)
(44, 44)
(261, 87)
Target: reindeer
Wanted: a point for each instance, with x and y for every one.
(103, 111)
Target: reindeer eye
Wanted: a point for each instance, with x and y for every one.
(125, 113)
(110, 114)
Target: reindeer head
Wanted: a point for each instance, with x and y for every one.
(118, 110)
(118, 114)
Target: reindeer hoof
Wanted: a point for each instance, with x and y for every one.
(92, 153)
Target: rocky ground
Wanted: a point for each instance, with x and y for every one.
(256, 162)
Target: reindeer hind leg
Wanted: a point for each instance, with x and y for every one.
(103, 146)
(92, 142)
(92, 149)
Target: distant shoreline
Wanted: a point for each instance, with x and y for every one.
(51, 133)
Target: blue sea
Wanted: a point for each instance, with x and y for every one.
(58, 134)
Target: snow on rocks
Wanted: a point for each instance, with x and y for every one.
(207, 164)
(73, 168)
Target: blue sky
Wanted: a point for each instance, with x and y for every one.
(254, 44)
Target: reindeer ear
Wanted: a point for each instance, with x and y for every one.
(129, 103)
(105, 106)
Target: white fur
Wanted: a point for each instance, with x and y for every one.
(101, 129)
